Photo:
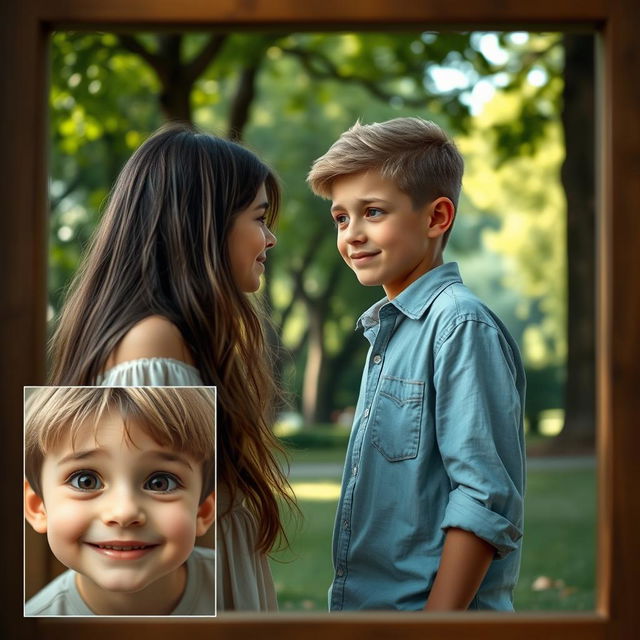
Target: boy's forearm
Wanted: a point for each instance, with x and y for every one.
(463, 565)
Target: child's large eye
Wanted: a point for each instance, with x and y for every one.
(162, 483)
(85, 481)
(340, 219)
(373, 212)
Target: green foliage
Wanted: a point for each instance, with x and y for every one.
(310, 88)
(103, 104)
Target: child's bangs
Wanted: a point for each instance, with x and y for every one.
(178, 418)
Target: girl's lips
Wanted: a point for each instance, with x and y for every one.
(122, 550)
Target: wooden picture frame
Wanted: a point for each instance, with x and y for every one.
(25, 25)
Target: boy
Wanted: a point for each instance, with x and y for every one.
(430, 513)
(121, 480)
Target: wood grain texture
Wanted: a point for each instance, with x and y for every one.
(321, 12)
(620, 318)
(344, 626)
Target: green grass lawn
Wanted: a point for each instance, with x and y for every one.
(558, 563)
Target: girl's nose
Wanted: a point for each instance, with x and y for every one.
(270, 238)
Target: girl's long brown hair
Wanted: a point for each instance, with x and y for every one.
(161, 249)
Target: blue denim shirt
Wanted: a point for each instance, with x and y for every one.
(437, 442)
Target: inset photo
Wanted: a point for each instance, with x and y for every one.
(120, 501)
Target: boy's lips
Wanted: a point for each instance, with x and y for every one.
(361, 257)
(123, 549)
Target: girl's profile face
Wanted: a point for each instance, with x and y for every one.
(123, 514)
(249, 241)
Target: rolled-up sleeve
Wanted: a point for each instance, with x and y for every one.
(478, 430)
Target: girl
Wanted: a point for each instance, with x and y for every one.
(160, 300)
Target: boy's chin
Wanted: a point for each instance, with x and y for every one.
(367, 280)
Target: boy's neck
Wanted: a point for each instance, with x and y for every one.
(159, 598)
(393, 291)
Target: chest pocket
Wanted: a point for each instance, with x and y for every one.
(397, 414)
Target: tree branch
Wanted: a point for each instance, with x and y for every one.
(331, 72)
(245, 93)
(132, 44)
(207, 54)
(298, 282)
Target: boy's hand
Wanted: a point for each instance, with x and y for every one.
(464, 563)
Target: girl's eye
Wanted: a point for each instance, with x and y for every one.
(162, 483)
(85, 481)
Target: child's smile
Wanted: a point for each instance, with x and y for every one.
(381, 236)
(123, 513)
(122, 549)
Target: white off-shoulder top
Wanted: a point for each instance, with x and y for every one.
(244, 581)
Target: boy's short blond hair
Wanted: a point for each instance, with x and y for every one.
(182, 418)
(416, 154)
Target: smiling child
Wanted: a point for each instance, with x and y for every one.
(121, 480)
(431, 509)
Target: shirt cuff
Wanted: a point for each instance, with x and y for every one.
(463, 512)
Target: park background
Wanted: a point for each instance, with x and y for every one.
(520, 106)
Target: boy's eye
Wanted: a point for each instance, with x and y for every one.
(340, 219)
(85, 481)
(372, 212)
(161, 482)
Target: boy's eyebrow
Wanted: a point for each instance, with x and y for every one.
(80, 455)
(170, 456)
(361, 201)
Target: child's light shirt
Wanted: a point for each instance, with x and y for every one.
(437, 442)
(62, 598)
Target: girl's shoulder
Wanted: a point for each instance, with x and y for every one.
(152, 337)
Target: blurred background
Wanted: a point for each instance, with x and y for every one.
(521, 109)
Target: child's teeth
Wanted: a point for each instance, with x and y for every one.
(108, 546)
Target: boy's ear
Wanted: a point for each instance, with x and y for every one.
(441, 216)
(34, 510)
(206, 514)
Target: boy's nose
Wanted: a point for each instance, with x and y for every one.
(354, 233)
(124, 510)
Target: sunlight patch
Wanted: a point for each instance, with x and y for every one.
(318, 491)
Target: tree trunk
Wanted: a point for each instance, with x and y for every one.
(315, 364)
(578, 178)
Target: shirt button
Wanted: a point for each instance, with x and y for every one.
(377, 359)
(355, 469)
(340, 572)
(366, 412)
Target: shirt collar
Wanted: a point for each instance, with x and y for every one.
(417, 297)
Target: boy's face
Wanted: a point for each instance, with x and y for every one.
(381, 236)
(123, 514)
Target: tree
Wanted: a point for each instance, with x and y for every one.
(241, 85)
